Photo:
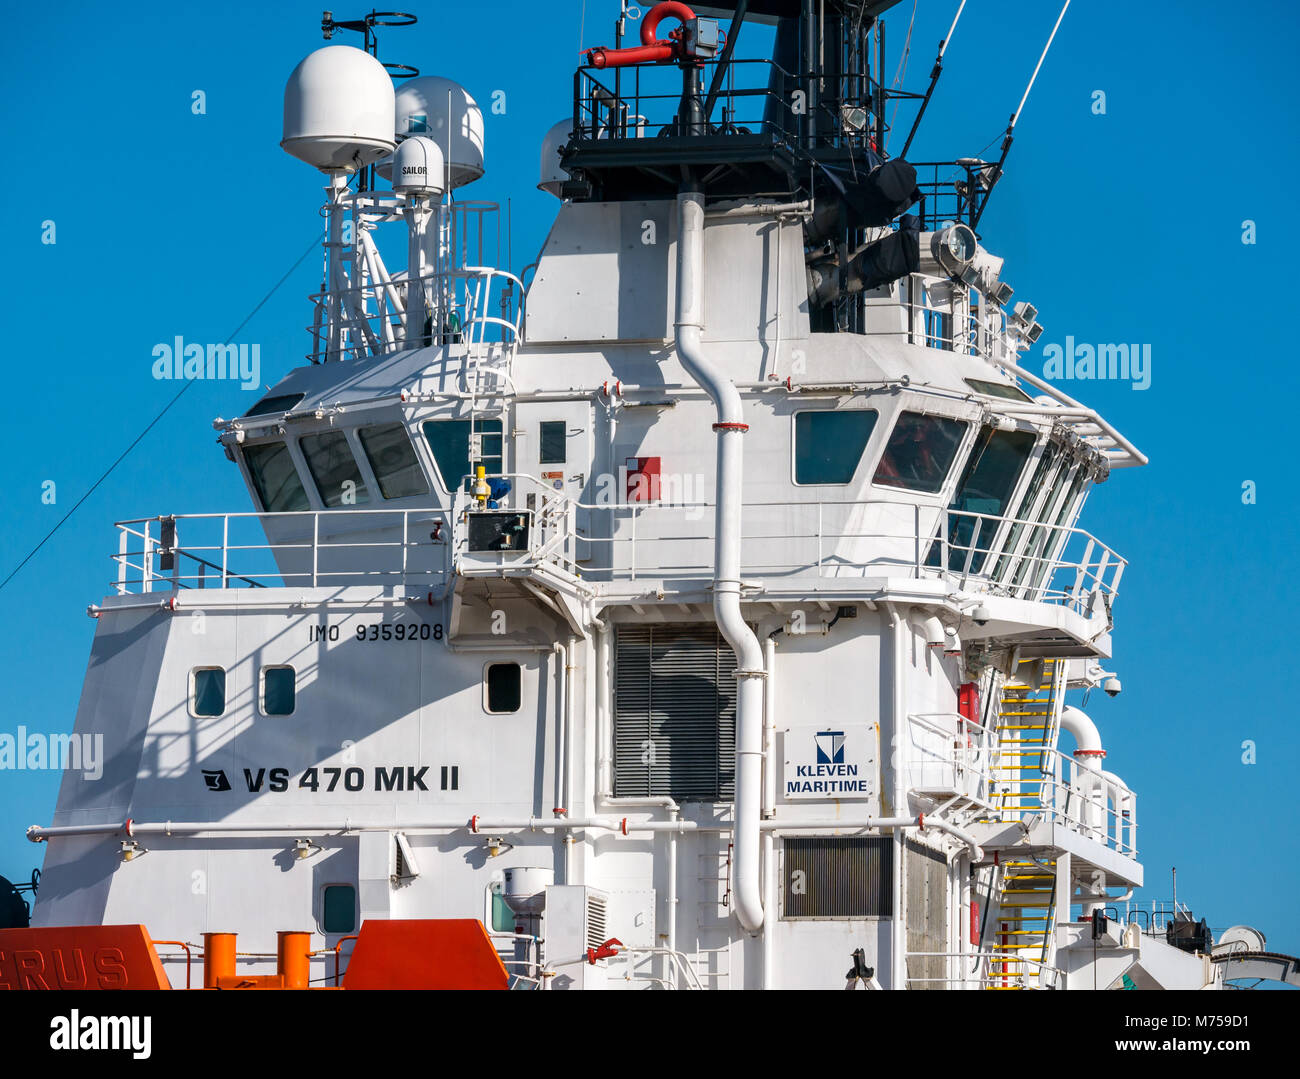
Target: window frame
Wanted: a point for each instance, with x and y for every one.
(193, 698)
(261, 690)
(356, 911)
(542, 459)
(254, 481)
(486, 690)
(794, 443)
(959, 455)
(363, 493)
(370, 463)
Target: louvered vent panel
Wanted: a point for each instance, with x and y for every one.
(833, 877)
(596, 934)
(674, 713)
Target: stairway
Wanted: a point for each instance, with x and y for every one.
(1028, 713)
(1021, 929)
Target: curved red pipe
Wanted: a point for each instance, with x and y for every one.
(651, 49)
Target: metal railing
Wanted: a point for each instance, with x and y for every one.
(1015, 973)
(311, 548)
(962, 756)
(620, 542)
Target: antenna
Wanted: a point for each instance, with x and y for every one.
(1009, 137)
(366, 28)
(934, 79)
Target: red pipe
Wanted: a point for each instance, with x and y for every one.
(651, 49)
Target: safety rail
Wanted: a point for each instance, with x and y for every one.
(757, 97)
(313, 548)
(619, 542)
(963, 756)
(1031, 973)
(1020, 558)
(459, 312)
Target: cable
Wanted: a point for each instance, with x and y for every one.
(166, 408)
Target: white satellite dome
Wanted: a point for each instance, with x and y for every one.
(418, 167)
(553, 177)
(428, 105)
(338, 108)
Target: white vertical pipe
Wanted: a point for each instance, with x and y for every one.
(730, 429)
(898, 935)
(769, 806)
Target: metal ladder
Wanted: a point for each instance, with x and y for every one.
(1027, 720)
(1024, 928)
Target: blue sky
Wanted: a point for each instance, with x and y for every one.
(1120, 227)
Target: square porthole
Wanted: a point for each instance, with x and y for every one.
(208, 691)
(502, 687)
(279, 692)
(338, 909)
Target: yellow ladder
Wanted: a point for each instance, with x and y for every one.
(1026, 728)
(1022, 931)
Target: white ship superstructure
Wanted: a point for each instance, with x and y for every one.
(695, 609)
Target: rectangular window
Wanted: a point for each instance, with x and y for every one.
(828, 445)
(674, 713)
(449, 442)
(1045, 461)
(834, 877)
(997, 389)
(553, 442)
(279, 403)
(334, 469)
(208, 691)
(985, 488)
(275, 478)
(920, 452)
(388, 449)
(503, 687)
(277, 691)
(338, 908)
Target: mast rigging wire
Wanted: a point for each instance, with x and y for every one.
(165, 409)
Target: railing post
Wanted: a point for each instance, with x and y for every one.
(406, 532)
(123, 550)
(315, 547)
(146, 563)
(821, 548)
(225, 547)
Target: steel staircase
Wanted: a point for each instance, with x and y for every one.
(1020, 939)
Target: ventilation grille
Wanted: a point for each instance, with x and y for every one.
(926, 902)
(674, 713)
(832, 877)
(596, 935)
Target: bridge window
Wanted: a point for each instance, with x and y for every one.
(997, 389)
(503, 687)
(275, 478)
(277, 691)
(278, 403)
(920, 452)
(449, 442)
(334, 469)
(388, 449)
(208, 691)
(984, 489)
(829, 445)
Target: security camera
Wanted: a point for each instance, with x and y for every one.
(1111, 687)
(981, 615)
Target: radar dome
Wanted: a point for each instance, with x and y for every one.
(553, 178)
(431, 105)
(338, 109)
(418, 167)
